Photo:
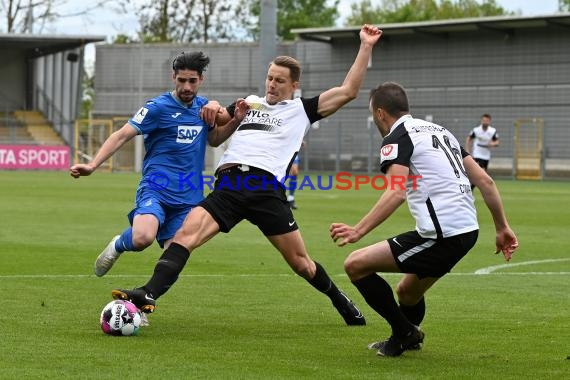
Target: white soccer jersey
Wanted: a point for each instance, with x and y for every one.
(481, 140)
(270, 135)
(441, 202)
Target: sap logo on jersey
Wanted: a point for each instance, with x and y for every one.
(186, 135)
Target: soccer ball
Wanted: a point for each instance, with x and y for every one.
(121, 318)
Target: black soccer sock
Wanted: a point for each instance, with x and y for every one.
(322, 282)
(415, 313)
(379, 295)
(167, 270)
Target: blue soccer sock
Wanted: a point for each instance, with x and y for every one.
(125, 242)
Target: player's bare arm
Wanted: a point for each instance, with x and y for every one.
(468, 142)
(506, 240)
(109, 147)
(494, 143)
(389, 202)
(333, 99)
(222, 132)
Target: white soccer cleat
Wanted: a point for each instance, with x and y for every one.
(144, 319)
(107, 258)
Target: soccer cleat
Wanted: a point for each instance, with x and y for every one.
(144, 320)
(138, 296)
(377, 345)
(395, 346)
(107, 258)
(352, 316)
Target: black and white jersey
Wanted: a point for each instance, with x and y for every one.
(270, 135)
(481, 139)
(441, 200)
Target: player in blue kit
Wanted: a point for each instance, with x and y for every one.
(176, 127)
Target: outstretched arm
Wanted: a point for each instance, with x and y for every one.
(506, 240)
(221, 133)
(109, 147)
(333, 99)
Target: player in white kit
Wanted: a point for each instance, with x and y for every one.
(270, 133)
(441, 202)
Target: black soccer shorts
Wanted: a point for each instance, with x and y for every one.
(255, 195)
(430, 257)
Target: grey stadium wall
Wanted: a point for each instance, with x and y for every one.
(452, 75)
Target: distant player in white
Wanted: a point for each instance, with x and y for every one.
(442, 205)
(480, 141)
(270, 133)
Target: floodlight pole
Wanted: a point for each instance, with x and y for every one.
(267, 38)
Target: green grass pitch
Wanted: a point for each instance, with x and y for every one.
(238, 312)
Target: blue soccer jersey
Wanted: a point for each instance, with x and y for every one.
(175, 140)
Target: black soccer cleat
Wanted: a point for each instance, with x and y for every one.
(352, 316)
(138, 296)
(395, 346)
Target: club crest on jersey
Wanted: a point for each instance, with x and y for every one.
(140, 115)
(388, 152)
(256, 106)
(187, 134)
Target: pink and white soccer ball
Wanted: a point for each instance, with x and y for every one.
(121, 318)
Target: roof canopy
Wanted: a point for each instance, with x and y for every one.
(502, 24)
(40, 45)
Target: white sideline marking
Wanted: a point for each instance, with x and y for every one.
(477, 273)
(493, 268)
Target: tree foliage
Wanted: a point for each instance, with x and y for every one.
(564, 5)
(293, 14)
(33, 16)
(394, 11)
(184, 20)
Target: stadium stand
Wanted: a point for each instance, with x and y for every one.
(27, 128)
(39, 127)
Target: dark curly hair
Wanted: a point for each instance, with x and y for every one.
(196, 61)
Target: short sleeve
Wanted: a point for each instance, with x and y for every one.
(397, 148)
(311, 106)
(145, 119)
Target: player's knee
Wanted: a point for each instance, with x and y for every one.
(188, 240)
(302, 268)
(407, 294)
(353, 267)
(142, 240)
